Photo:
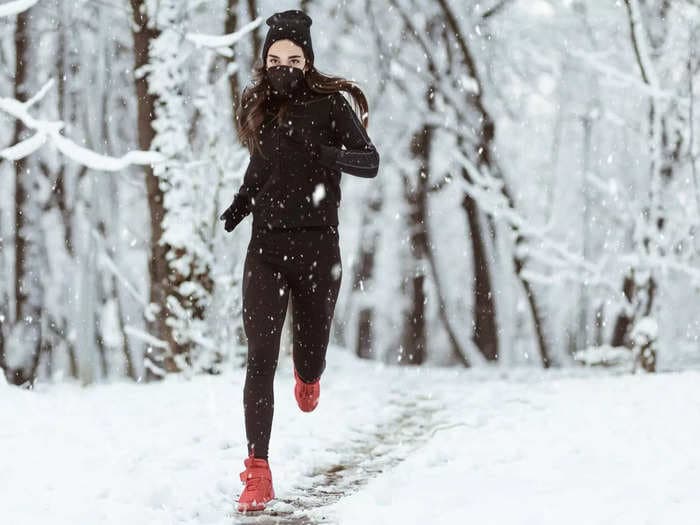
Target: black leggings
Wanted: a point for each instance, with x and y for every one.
(306, 262)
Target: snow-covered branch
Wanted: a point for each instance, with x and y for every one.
(111, 265)
(552, 254)
(653, 90)
(16, 7)
(51, 131)
(223, 43)
(486, 191)
(640, 44)
(146, 337)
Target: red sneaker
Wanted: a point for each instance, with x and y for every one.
(258, 485)
(306, 393)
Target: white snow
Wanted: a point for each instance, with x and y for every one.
(522, 447)
(169, 452)
(221, 41)
(51, 130)
(589, 450)
(319, 194)
(604, 355)
(15, 7)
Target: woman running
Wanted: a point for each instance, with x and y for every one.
(294, 122)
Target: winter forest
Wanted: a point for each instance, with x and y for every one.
(519, 311)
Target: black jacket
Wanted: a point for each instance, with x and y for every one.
(284, 187)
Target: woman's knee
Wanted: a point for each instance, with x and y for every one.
(261, 368)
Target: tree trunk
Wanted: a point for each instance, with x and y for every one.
(363, 277)
(155, 358)
(253, 13)
(230, 25)
(181, 282)
(28, 289)
(664, 156)
(485, 332)
(415, 336)
(4, 301)
(413, 333)
(4, 307)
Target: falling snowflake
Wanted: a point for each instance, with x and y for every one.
(319, 193)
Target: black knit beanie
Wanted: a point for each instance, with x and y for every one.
(293, 25)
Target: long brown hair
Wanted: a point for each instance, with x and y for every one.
(250, 113)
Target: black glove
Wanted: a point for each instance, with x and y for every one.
(295, 139)
(231, 217)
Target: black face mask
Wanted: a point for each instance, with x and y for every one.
(285, 80)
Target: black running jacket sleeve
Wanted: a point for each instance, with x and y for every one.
(360, 158)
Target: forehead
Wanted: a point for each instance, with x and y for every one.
(285, 48)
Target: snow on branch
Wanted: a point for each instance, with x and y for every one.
(554, 255)
(145, 337)
(653, 90)
(222, 43)
(637, 33)
(16, 7)
(486, 190)
(111, 265)
(51, 130)
(604, 355)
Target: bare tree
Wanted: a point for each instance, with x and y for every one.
(363, 278)
(481, 151)
(28, 288)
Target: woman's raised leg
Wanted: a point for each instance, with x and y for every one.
(314, 292)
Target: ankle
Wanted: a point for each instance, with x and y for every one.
(316, 380)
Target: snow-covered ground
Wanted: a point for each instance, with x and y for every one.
(587, 450)
(386, 445)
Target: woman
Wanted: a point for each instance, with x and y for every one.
(294, 121)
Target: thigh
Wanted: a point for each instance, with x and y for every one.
(314, 290)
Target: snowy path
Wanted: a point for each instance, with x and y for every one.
(386, 445)
(363, 457)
